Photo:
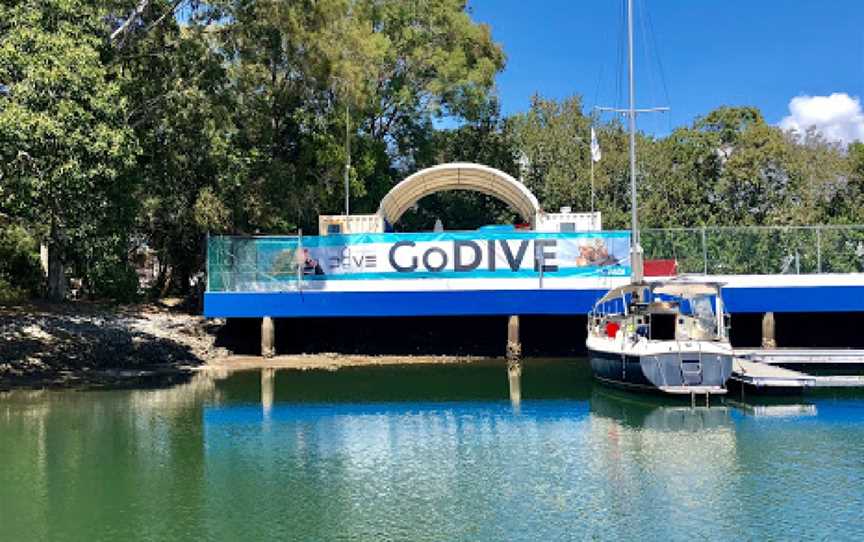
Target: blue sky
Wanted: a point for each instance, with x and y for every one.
(712, 53)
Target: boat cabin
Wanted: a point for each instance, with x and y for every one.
(662, 311)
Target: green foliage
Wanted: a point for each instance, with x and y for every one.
(113, 277)
(20, 270)
(236, 122)
(210, 213)
(242, 113)
(65, 147)
(484, 140)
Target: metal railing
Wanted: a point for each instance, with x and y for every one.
(254, 264)
(759, 250)
(279, 263)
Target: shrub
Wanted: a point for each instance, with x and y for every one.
(20, 270)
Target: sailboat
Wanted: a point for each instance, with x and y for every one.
(669, 336)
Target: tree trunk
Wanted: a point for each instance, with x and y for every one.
(56, 272)
(166, 286)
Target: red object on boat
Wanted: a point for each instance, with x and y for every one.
(661, 268)
(612, 329)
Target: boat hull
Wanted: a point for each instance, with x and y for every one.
(674, 373)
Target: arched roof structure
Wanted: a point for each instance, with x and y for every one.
(459, 176)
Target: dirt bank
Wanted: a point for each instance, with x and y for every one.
(332, 362)
(96, 345)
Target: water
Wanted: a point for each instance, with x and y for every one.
(424, 453)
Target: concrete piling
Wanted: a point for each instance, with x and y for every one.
(268, 337)
(769, 337)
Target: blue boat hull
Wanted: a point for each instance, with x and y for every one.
(671, 373)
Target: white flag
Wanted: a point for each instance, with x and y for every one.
(595, 146)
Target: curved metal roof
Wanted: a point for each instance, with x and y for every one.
(459, 176)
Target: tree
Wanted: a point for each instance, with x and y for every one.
(483, 140)
(64, 145)
(180, 110)
(297, 67)
(554, 137)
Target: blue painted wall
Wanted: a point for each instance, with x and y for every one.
(504, 302)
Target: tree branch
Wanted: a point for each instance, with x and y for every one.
(168, 12)
(119, 35)
(123, 28)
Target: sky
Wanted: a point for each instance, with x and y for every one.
(800, 61)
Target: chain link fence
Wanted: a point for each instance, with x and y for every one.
(759, 250)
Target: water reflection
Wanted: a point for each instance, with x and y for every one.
(514, 383)
(268, 378)
(424, 453)
(103, 465)
(782, 408)
(656, 413)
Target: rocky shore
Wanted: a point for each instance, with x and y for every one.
(98, 345)
(89, 344)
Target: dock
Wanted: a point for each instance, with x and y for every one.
(802, 356)
(761, 374)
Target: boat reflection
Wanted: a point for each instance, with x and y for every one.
(776, 408)
(656, 413)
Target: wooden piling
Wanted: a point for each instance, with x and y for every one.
(514, 347)
(514, 360)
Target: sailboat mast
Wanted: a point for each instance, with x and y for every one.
(635, 246)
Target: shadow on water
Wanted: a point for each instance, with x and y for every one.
(481, 381)
(542, 382)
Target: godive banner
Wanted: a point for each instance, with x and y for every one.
(474, 254)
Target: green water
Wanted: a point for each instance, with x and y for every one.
(425, 453)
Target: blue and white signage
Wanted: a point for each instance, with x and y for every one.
(477, 254)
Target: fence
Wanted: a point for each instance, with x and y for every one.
(759, 250)
(281, 263)
(237, 264)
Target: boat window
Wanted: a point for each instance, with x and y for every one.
(663, 327)
(702, 310)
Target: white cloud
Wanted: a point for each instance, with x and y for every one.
(838, 117)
